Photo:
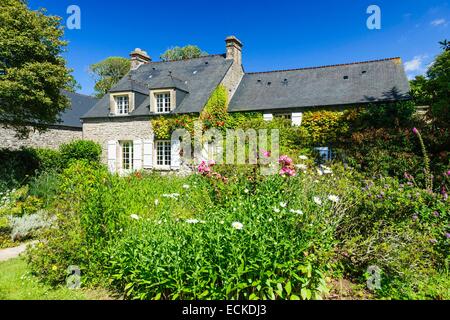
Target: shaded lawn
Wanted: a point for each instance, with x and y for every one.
(16, 283)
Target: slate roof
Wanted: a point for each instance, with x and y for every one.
(370, 81)
(198, 77)
(79, 105)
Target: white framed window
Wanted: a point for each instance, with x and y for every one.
(127, 155)
(163, 103)
(122, 104)
(163, 154)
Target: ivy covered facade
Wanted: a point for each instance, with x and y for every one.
(134, 122)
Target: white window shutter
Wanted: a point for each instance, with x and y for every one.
(175, 154)
(137, 155)
(297, 118)
(268, 116)
(148, 154)
(112, 155)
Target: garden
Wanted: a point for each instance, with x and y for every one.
(228, 232)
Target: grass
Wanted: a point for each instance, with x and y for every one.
(16, 283)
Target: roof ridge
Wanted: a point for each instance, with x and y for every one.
(205, 56)
(326, 66)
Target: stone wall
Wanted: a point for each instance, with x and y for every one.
(232, 79)
(105, 130)
(52, 138)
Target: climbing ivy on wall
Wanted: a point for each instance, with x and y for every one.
(214, 115)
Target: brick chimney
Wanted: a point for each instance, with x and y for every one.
(234, 49)
(138, 58)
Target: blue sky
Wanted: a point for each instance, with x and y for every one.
(276, 34)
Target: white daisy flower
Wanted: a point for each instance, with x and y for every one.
(333, 198)
(283, 204)
(270, 220)
(156, 202)
(299, 212)
(276, 210)
(237, 225)
(192, 221)
(186, 186)
(134, 216)
(246, 191)
(319, 172)
(303, 157)
(327, 171)
(172, 195)
(317, 200)
(222, 222)
(302, 167)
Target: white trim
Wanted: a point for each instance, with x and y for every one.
(297, 118)
(148, 154)
(268, 116)
(137, 155)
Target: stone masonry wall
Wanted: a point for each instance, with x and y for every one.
(232, 79)
(52, 138)
(116, 129)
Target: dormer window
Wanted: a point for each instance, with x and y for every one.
(163, 101)
(122, 104)
(163, 104)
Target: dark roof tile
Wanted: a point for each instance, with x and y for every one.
(355, 83)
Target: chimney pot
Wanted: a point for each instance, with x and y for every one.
(138, 58)
(234, 49)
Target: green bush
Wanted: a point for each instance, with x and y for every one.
(48, 159)
(16, 168)
(80, 150)
(44, 186)
(399, 228)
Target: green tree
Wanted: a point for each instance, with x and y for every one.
(108, 72)
(434, 89)
(32, 71)
(180, 53)
(445, 44)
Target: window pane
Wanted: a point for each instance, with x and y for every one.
(127, 155)
(163, 102)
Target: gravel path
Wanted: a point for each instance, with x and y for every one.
(10, 253)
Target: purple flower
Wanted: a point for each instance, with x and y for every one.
(415, 217)
(436, 214)
(447, 235)
(433, 241)
(415, 131)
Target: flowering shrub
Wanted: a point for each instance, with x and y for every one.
(206, 169)
(287, 166)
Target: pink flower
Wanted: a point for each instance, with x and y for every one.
(285, 160)
(448, 173)
(415, 131)
(287, 171)
(212, 163)
(266, 154)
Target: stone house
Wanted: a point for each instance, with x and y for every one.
(120, 121)
(69, 127)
